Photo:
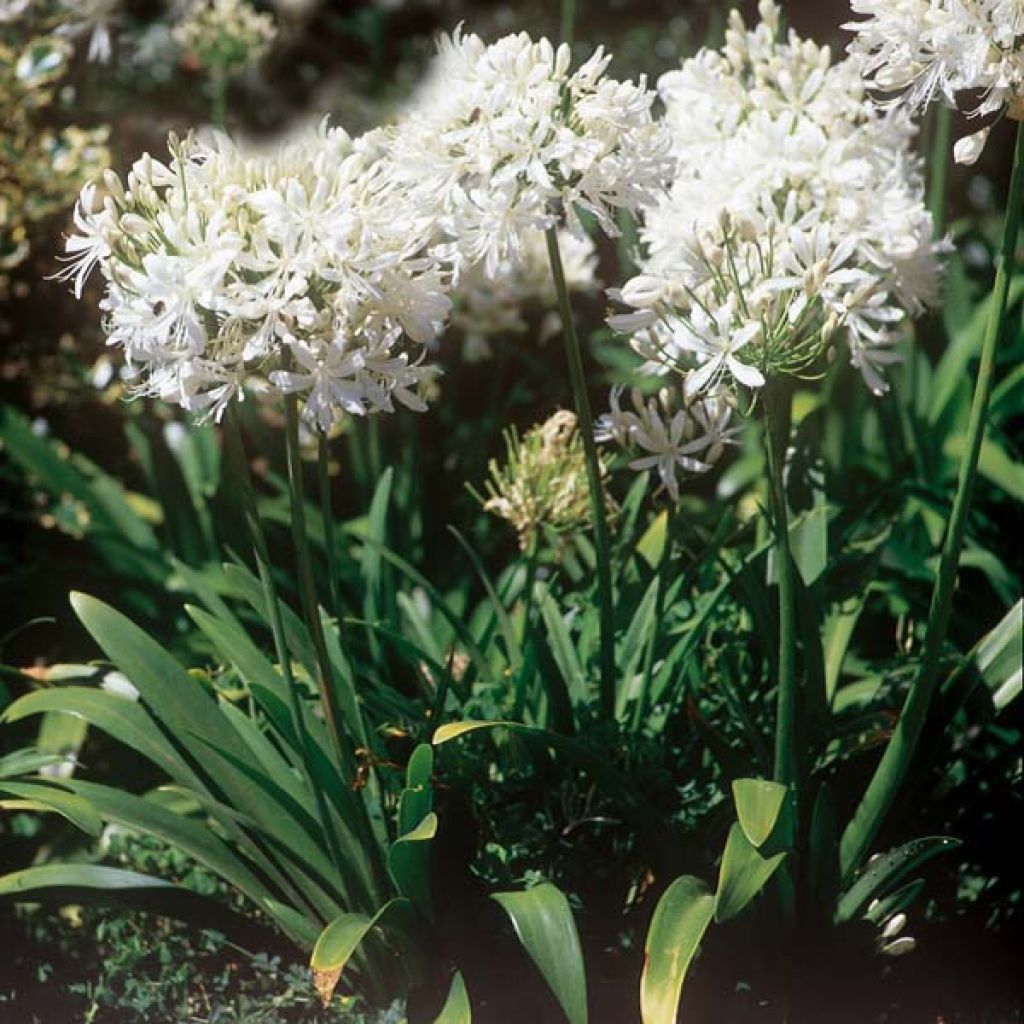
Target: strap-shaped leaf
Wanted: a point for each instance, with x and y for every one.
(456, 1009)
(543, 921)
(758, 806)
(118, 717)
(743, 874)
(680, 920)
(409, 863)
(884, 871)
(40, 796)
(343, 936)
(97, 884)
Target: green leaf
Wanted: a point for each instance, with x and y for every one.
(121, 718)
(885, 870)
(342, 937)
(758, 806)
(993, 463)
(456, 1009)
(93, 883)
(544, 924)
(651, 545)
(409, 863)
(998, 657)
(39, 795)
(743, 874)
(808, 541)
(680, 920)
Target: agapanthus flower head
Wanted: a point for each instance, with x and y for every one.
(296, 271)
(505, 140)
(668, 432)
(796, 218)
(542, 483)
(225, 35)
(922, 50)
(485, 307)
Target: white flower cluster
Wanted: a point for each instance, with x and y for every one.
(297, 271)
(485, 307)
(925, 49)
(796, 216)
(672, 434)
(503, 141)
(224, 35)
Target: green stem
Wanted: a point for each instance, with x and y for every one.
(327, 515)
(593, 464)
(939, 166)
(307, 589)
(532, 554)
(236, 450)
(218, 98)
(776, 413)
(892, 769)
(568, 20)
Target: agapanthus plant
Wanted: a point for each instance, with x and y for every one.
(796, 218)
(300, 271)
(505, 142)
(922, 50)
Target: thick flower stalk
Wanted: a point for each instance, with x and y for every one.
(505, 141)
(968, 53)
(796, 219)
(299, 272)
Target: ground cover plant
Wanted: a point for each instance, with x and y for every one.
(548, 545)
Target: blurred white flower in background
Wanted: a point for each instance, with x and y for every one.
(504, 141)
(299, 271)
(485, 307)
(924, 50)
(92, 18)
(796, 216)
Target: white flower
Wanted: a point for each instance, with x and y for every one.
(924, 50)
(666, 435)
(93, 18)
(503, 142)
(486, 307)
(302, 267)
(796, 216)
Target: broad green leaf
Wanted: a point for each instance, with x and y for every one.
(39, 795)
(409, 863)
(885, 870)
(680, 920)
(758, 805)
(456, 1009)
(743, 874)
(563, 650)
(651, 546)
(94, 883)
(544, 924)
(119, 717)
(342, 937)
